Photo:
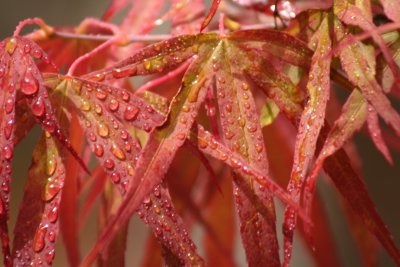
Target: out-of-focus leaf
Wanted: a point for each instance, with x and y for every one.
(210, 14)
(152, 254)
(187, 16)
(311, 121)
(361, 16)
(392, 9)
(114, 255)
(269, 112)
(69, 204)
(384, 73)
(375, 133)
(37, 225)
(362, 75)
(220, 214)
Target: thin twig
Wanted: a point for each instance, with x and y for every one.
(38, 21)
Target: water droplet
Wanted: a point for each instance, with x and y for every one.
(29, 85)
(2, 72)
(11, 45)
(53, 215)
(8, 128)
(113, 105)
(131, 113)
(125, 96)
(259, 148)
(92, 137)
(98, 150)
(109, 164)
(117, 152)
(100, 94)
(181, 136)
(185, 108)
(27, 48)
(52, 236)
(99, 77)
(228, 107)
(38, 107)
(9, 105)
(115, 177)
(103, 130)
(119, 73)
(51, 190)
(38, 241)
(51, 167)
(37, 53)
(124, 135)
(8, 152)
(50, 256)
(85, 105)
(252, 128)
(130, 170)
(229, 135)
(147, 65)
(202, 143)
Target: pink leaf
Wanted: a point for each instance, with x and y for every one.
(311, 121)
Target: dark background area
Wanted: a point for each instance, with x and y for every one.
(383, 181)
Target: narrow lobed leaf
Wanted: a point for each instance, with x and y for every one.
(311, 122)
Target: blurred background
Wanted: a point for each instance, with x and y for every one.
(383, 181)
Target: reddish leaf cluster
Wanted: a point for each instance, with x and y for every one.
(238, 109)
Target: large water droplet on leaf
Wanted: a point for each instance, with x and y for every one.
(39, 239)
(102, 130)
(38, 107)
(29, 85)
(131, 113)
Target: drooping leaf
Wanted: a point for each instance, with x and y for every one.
(375, 133)
(187, 16)
(241, 132)
(361, 16)
(362, 75)
(37, 225)
(322, 247)
(69, 203)
(268, 113)
(221, 216)
(18, 71)
(353, 117)
(311, 121)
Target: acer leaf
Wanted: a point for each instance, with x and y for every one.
(375, 133)
(322, 248)
(356, 66)
(210, 15)
(37, 225)
(392, 9)
(353, 15)
(240, 126)
(311, 121)
(101, 108)
(353, 117)
(19, 72)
